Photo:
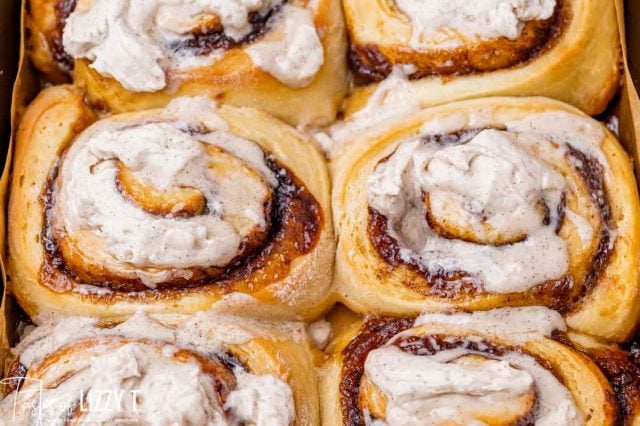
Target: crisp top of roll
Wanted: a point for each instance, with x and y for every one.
(492, 186)
(446, 23)
(138, 43)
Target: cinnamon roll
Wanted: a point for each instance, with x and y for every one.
(169, 210)
(196, 370)
(488, 203)
(283, 56)
(457, 49)
(497, 367)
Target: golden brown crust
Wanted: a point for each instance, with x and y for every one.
(341, 379)
(576, 59)
(288, 273)
(233, 79)
(371, 276)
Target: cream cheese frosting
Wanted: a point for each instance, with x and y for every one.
(166, 156)
(434, 388)
(131, 41)
(498, 173)
(297, 55)
(522, 323)
(491, 175)
(140, 369)
(446, 23)
(430, 389)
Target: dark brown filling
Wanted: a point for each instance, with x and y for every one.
(63, 9)
(203, 43)
(370, 63)
(376, 332)
(199, 42)
(561, 294)
(622, 369)
(295, 224)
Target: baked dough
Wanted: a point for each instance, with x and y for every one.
(572, 54)
(166, 210)
(167, 369)
(449, 208)
(204, 58)
(458, 369)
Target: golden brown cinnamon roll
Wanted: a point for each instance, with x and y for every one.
(167, 210)
(205, 369)
(458, 49)
(488, 203)
(497, 368)
(284, 56)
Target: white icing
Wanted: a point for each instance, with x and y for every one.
(297, 56)
(320, 333)
(392, 99)
(428, 389)
(151, 375)
(131, 41)
(166, 156)
(116, 38)
(580, 132)
(446, 23)
(261, 400)
(524, 323)
(584, 228)
(206, 331)
(493, 176)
